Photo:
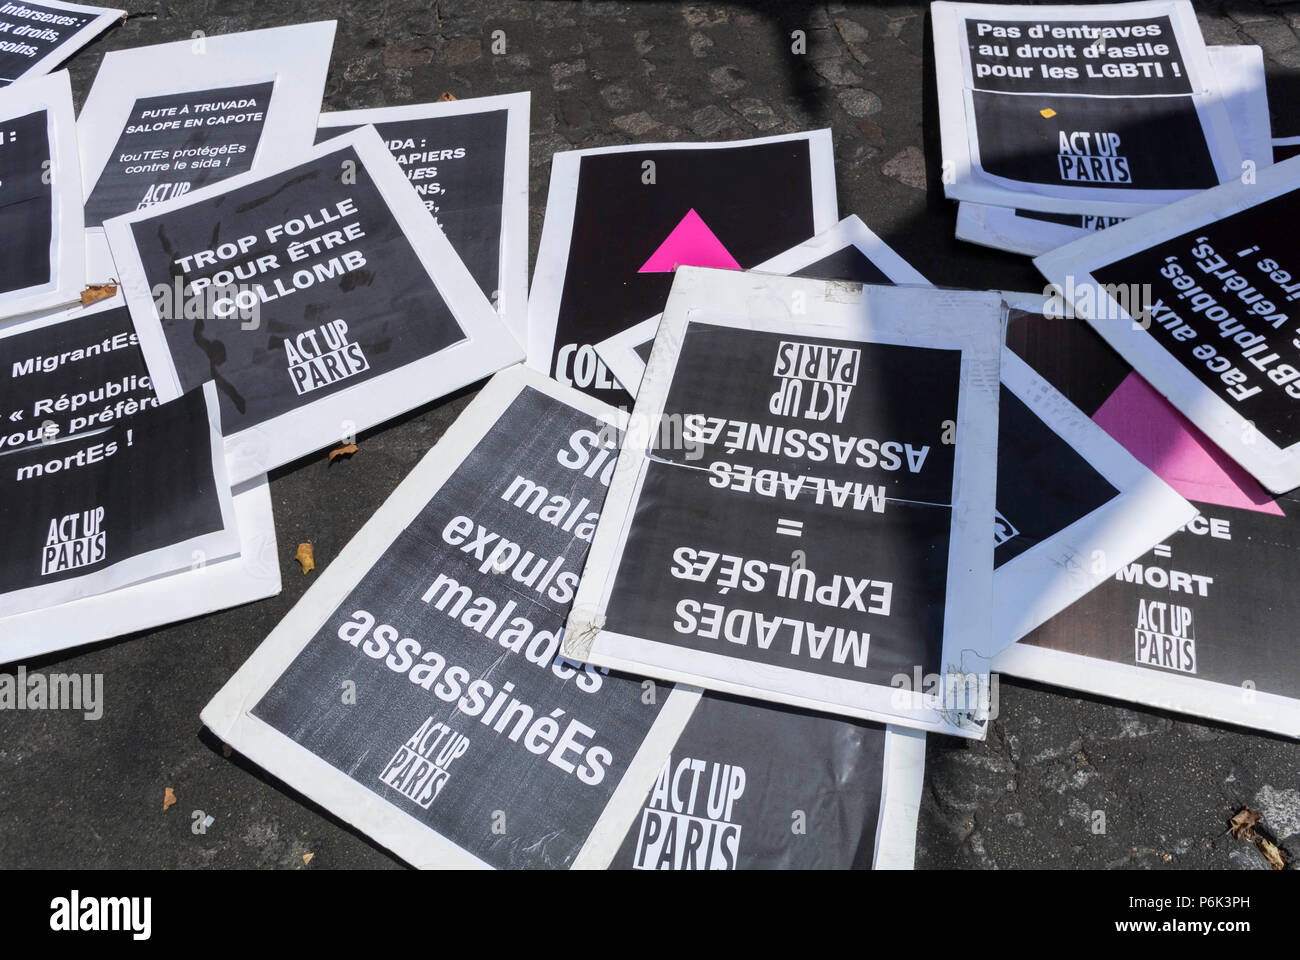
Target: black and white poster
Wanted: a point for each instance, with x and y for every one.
(418, 690)
(1239, 71)
(755, 786)
(164, 121)
(77, 373)
(42, 261)
(1202, 623)
(82, 374)
(27, 199)
(179, 142)
(1199, 298)
(36, 37)
(847, 251)
(98, 510)
(320, 298)
(782, 424)
(468, 161)
(619, 220)
(1103, 110)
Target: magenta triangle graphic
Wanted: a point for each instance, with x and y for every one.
(691, 244)
(1162, 438)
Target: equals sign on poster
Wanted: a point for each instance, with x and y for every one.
(1162, 550)
(790, 528)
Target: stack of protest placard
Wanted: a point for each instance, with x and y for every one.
(1062, 120)
(469, 739)
(121, 512)
(1073, 491)
(276, 297)
(1196, 298)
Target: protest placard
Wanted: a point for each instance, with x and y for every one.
(785, 521)
(74, 373)
(165, 120)
(1074, 506)
(36, 37)
(1093, 109)
(1201, 623)
(1197, 297)
(42, 261)
(757, 786)
(100, 510)
(1240, 74)
(619, 220)
(417, 690)
(468, 161)
(321, 298)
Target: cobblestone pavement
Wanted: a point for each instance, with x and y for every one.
(75, 793)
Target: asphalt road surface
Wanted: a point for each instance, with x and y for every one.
(76, 793)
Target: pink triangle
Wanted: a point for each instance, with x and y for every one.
(691, 244)
(1162, 438)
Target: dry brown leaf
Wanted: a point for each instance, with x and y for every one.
(169, 798)
(225, 750)
(307, 857)
(97, 292)
(1243, 827)
(344, 451)
(1274, 854)
(1244, 821)
(447, 97)
(306, 557)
